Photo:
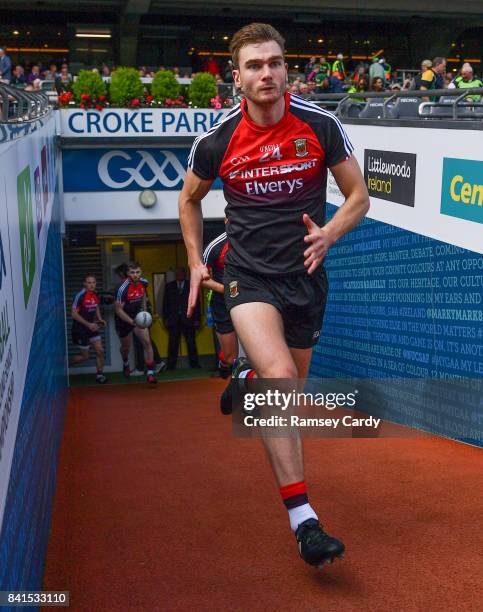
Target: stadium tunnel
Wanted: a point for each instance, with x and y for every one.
(85, 191)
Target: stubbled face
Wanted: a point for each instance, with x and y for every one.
(262, 73)
(134, 274)
(90, 283)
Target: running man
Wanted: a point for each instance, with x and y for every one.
(272, 152)
(214, 260)
(131, 299)
(86, 319)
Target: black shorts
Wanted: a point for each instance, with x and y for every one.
(300, 299)
(221, 316)
(83, 337)
(123, 328)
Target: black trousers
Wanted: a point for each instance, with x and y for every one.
(175, 333)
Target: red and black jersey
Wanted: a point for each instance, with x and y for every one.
(271, 175)
(214, 259)
(85, 303)
(131, 296)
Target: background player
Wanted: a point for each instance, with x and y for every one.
(272, 153)
(131, 299)
(86, 319)
(214, 260)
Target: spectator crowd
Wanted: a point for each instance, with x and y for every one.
(319, 75)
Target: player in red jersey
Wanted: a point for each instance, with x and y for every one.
(272, 153)
(214, 259)
(86, 322)
(131, 299)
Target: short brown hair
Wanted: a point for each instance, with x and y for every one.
(438, 60)
(133, 265)
(252, 34)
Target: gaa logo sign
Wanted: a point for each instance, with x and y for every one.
(143, 169)
(27, 232)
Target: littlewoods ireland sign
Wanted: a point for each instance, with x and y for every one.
(121, 122)
(390, 176)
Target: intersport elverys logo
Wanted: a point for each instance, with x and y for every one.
(143, 169)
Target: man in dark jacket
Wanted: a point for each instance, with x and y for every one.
(5, 67)
(175, 305)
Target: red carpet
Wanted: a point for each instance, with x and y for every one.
(158, 507)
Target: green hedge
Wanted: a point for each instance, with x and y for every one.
(126, 85)
(164, 86)
(89, 83)
(202, 89)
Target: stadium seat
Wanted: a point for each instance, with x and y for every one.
(373, 109)
(446, 111)
(405, 108)
(349, 108)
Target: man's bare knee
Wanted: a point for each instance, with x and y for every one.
(278, 370)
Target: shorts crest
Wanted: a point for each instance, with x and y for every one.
(234, 289)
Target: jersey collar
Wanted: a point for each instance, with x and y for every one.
(266, 128)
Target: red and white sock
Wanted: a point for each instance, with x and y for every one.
(296, 501)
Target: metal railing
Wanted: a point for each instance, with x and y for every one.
(459, 109)
(20, 106)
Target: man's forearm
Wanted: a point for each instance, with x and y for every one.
(191, 220)
(213, 285)
(80, 319)
(123, 315)
(347, 216)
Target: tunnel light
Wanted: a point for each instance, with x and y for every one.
(147, 198)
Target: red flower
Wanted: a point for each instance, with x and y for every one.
(82, 105)
(135, 102)
(99, 107)
(149, 99)
(102, 98)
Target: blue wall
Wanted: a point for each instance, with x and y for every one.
(23, 541)
(404, 306)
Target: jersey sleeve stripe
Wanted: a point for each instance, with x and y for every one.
(120, 291)
(312, 107)
(303, 105)
(315, 109)
(235, 111)
(75, 303)
(212, 244)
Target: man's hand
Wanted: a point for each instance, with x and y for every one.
(102, 322)
(93, 327)
(198, 274)
(319, 244)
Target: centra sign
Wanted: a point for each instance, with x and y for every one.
(462, 189)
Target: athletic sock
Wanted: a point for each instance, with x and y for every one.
(150, 367)
(125, 362)
(249, 373)
(297, 503)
